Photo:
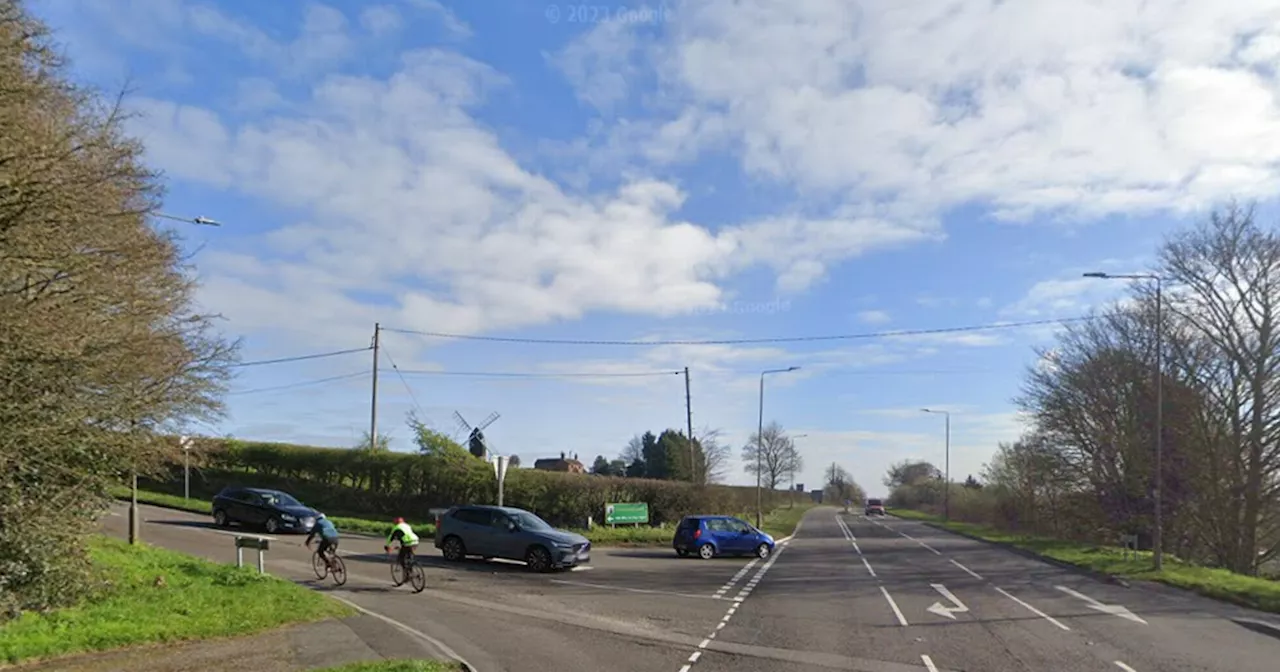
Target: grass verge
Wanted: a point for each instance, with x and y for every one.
(1221, 584)
(779, 522)
(396, 666)
(146, 595)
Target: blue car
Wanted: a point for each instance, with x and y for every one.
(709, 536)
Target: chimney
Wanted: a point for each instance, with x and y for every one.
(575, 456)
(562, 454)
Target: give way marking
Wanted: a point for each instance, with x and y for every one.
(941, 610)
(1113, 609)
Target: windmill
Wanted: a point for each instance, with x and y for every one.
(475, 435)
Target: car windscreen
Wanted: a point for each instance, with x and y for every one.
(528, 521)
(874, 502)
(281, 499)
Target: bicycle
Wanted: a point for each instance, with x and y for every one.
(330, 563)
(408, 570)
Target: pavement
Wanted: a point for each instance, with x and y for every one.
(846, 593)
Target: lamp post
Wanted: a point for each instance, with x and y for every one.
(185, 441)
(1157, 541)
(791, 470)
(946, 486)
(760, 444)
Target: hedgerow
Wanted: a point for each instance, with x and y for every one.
(381, 483)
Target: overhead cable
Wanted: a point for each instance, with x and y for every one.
(541, 374)
(303, 383)
(745, 341)
(299, 358)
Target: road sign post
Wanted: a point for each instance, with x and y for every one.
(185, 442)
(500, 471)
(636, 513)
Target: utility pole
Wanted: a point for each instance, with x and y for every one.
(688, 416)
(373, 400)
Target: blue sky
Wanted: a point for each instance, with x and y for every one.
(705, 170)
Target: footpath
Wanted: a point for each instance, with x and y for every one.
(307, 646)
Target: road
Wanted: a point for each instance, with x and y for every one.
(847, 593)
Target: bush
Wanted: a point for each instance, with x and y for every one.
(380, 484)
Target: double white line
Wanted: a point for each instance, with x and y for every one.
(848, 534)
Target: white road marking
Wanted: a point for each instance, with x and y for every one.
(602, 586)
(1113, 609)
(894, 605)
(1032, 609)
(848, 534)
(941, 610)
(935, 551)
(581, 568)
(868, 566)
(1124, 667)
(444, 648)
(971, 572)
(739, 599)
(928, 663)
(736, 578)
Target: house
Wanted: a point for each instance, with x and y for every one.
(562, 463)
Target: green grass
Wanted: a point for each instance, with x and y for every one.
(148, 595)
(1221, 584)
(779, 523)
(396, 666)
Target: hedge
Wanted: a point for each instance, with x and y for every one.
(361, 483)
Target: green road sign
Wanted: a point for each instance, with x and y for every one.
(626, 513)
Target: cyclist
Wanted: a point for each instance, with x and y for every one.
(404, 534)
(328, 534)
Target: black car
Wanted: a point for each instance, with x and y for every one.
(272, 509)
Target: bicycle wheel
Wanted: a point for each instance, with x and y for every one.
(318, 566)
(339, 570)
(419, 579)
(397, 573)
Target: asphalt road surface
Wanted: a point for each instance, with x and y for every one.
(847, 593)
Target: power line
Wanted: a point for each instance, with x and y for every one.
(300, 358)
(404, 382)
(303, 383)
(541, 374)
(746, 341)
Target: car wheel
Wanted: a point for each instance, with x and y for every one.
(538, 559)
(220, 518)
(763, 551)
(682, 553)
(706, 551)
(453, 549)
(273, 526)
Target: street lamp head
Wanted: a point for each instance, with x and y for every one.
(1096, 274)
(793, 368)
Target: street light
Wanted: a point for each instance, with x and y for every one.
(202, 221)
(1157, 542)
(946, 490)
(791, 470)
(760, 444)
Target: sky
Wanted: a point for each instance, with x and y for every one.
(710, 170)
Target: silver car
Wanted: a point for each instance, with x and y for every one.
(508, 533)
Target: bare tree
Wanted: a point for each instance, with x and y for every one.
(715, 455)
(101, 351)
(776, 455)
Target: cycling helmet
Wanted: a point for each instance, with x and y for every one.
(399, 520)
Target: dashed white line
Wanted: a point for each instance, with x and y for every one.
(970, 571)
(868, 566)
(928, 663)
(736, 578)
(737, 600)
(1124, 667)
(1032, 609)
(935, 551)
(894, 605)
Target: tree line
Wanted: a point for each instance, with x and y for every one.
(1205, 342)
(103, 355)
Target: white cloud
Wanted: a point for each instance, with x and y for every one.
(874, 317)
(1064, 297)
(452, 24)
(381, 20)
(1077, 109)
(404, 190)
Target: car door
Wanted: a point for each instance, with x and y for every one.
(507, 542)
(721, 536)
(238, 508)
(737, 535)
(476, 531)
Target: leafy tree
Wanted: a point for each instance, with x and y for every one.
(382, 445)
(840, 486)
(436, 443)
(617, 468)
(514, 461)
(972, 483)
(102, 353)
(910, 472)
(601, 466)
(775, 453)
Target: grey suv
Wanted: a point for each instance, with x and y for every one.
(510, 534)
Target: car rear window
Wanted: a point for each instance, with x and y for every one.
(688, 523)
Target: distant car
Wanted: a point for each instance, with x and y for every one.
(875, 507)
(508, 533)
(709, 536)
(274, 510)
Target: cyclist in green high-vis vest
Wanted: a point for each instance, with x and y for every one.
(404, 534)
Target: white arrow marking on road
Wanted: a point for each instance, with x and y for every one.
(949, 612)
(1113, 609)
